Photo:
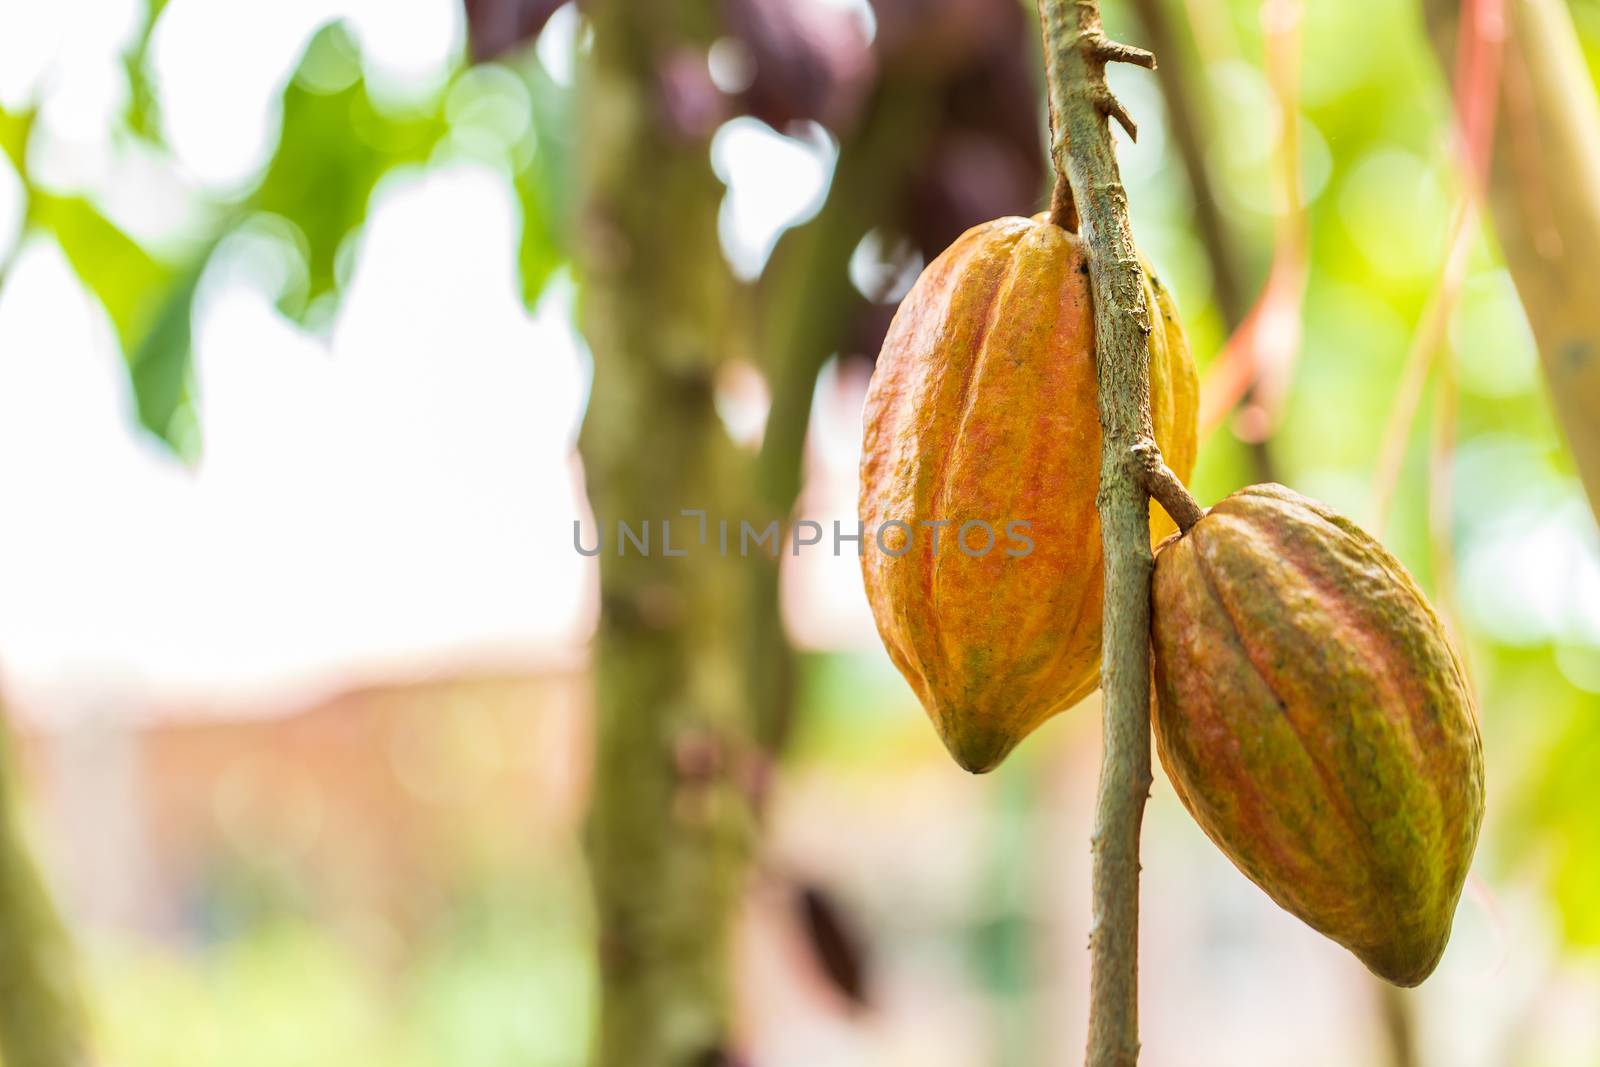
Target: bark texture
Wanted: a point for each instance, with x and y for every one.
(676, 767)
(1076, 54)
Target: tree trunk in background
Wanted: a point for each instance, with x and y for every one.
(41, 1021)
(670, 825)
(1544, 192)
(695, 676)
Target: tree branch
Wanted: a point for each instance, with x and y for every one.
(1167, 487)
(806, 305)
(1544, 193)
(1075, 57)
(1190, 121)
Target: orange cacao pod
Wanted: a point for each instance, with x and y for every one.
(1317, 723)
(983, 408)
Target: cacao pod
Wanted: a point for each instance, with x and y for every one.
(983, 408)
(1316, 721)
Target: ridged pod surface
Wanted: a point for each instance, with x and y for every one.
(1317, 723)
(983, 407)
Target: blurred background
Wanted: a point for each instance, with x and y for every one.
(298, 657)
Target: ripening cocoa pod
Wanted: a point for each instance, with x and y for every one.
(983, 409)
(1317, 723)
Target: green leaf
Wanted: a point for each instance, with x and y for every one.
(334, 148)
(159, 365)
(143, 114)
(128, 280)
(147, 300)
(14, 130)
(545, 186)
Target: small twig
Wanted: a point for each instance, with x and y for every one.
(1108, 51)
(1480, 40)
(1258, 359)
(1101, 49)
(1076, 53)
(1424, 349)
(1112, 108)
(1166, 487)
(1063, 209)
(1190, 122)
(1441, 501)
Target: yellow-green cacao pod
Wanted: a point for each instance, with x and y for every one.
(983, 408)
(1317, 723)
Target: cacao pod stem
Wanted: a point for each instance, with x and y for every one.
(1168, 489)
(1063, 209)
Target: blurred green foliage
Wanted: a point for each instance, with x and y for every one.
(499, 977)
(334, 145)
(546, 185)
(503, 974)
